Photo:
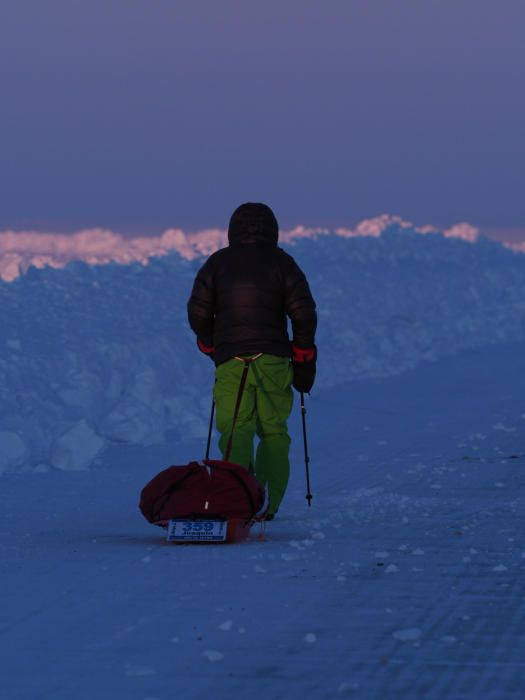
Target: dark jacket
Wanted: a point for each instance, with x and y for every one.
(242, 296)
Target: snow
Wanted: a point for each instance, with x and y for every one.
(407, 635)
(13, 452)
(77, 447)
(386, 587)
(22, 250)
(103, 354)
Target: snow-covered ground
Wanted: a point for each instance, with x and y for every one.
(404, 579)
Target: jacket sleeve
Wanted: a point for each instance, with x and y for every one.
(201, 305)
(299, 304)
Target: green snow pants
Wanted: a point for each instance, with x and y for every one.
(265, 406)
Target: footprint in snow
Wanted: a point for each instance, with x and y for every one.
(504, 428)
(410, 634)
(347, 688)
(391, 569)
(136, 671)
(290, 556)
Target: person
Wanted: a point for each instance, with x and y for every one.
(238, 309)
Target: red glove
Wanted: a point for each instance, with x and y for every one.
(303, 363)
(207, 350)
(304, 354)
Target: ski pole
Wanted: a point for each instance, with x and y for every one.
(306, 457)
(210, 429)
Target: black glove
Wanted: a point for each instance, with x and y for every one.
(304, 364)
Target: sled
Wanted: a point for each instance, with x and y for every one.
(206, 501)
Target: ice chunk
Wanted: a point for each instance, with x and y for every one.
(77, 448)
(12, 451)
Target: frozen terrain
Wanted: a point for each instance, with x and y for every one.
(404, 579)
(92, 356)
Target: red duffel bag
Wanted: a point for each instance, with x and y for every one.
(205, 489)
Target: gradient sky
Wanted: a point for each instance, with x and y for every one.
(142, 114)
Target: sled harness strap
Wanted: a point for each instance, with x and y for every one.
(247, 362)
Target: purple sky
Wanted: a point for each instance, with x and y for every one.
(139, 115)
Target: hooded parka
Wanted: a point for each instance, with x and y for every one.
(243, 294)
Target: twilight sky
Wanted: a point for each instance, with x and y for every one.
(144, 114)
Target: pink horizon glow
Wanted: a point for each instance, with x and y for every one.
(98, 246)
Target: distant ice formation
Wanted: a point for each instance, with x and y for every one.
(98, 246)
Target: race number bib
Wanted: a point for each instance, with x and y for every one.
(197, 530)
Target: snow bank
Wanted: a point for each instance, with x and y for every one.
(77, 447)
(12, 450)
(93, 355)
(21, 250)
